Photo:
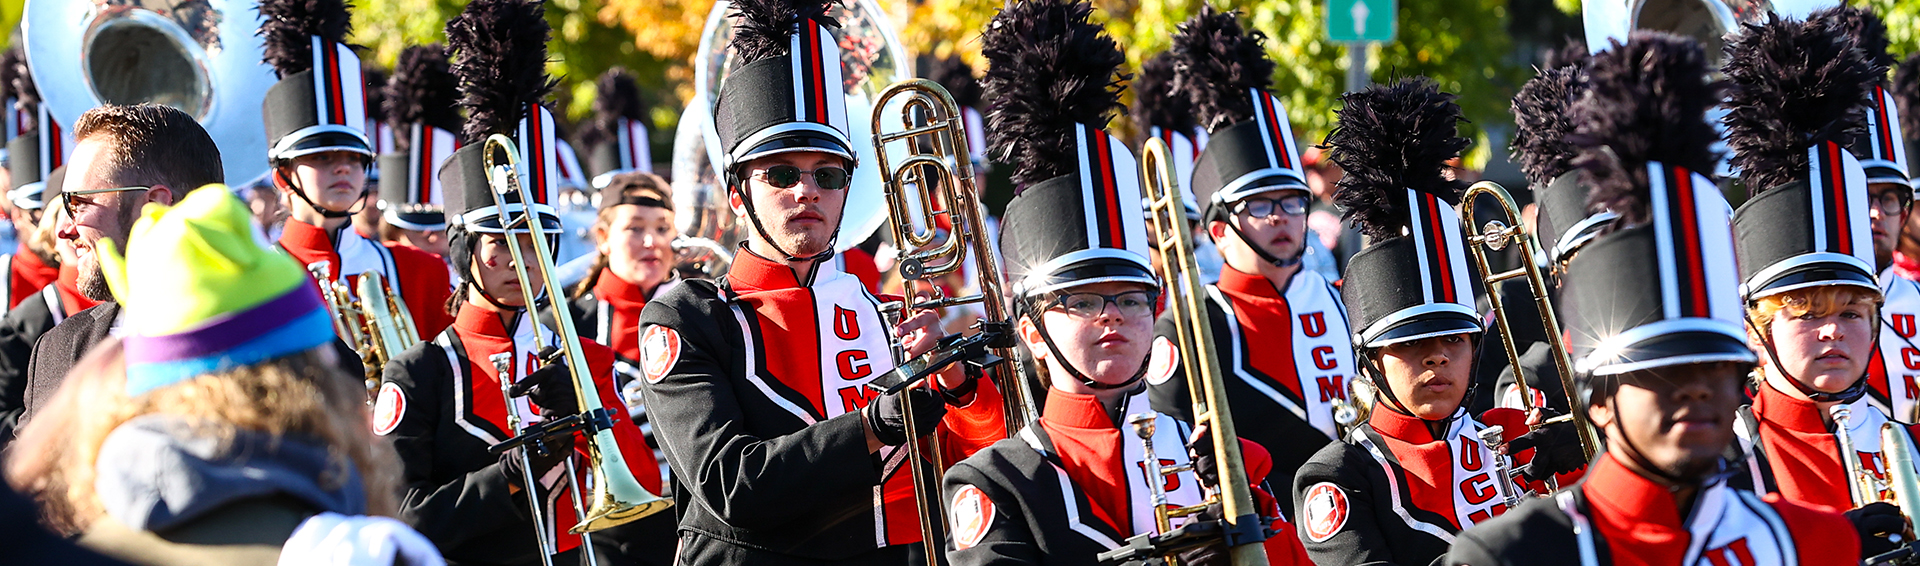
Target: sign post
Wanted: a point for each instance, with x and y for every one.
(1359, 23)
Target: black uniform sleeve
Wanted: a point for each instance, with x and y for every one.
(1359, 539)
(1171, 396)
(1535, 533)
(1006, 539)
(473, 503)
(18, 332)
(1469, 550)
(750, 482)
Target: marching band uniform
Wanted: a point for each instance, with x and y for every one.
(1075, 485)
(422, 106)
(1807, 226)
(616, 139)
(1658, 292)
(311, 110)
(1285, 346)
(1394, 491)
(34, 158)
(755, 383)
(442, 403)
(1883, 156)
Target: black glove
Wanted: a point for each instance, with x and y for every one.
(550, 387)
(558, 449)
(1556, 449)
(1206, 461)
(1875, 522)
(1214, 552)
(887, 414)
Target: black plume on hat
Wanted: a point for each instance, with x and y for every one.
(422, 90)
(617, 96)
(377, 80)
(1866, 29)
(1221, 64)
(1390, 138)
(764, 29)
(1906, 90)
(500, 57)
(289, 26)
(1052, 69)
(1155, 102)
(954, 74)
(1542, 123)
(1793, 85)
(1645, 101)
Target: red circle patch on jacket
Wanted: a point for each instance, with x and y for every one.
(659, 350)
(1325, 511)
(387, 411)
(1162, 358)
(972, 516)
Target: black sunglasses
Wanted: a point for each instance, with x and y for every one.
(827, 178)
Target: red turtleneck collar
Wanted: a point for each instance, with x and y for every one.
(1800, 448)
(297, 235)
(1250, 284)
(1637, 517)
(477, 320)
(30, 275)
(1090, 447)
(1400, 426)
(626, 300)
(1905, 266)
(752, 273)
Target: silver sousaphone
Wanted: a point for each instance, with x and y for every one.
(200, 56)
(1704, 20)
(871, 57)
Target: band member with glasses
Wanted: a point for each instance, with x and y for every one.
(1417, 471)
(759, 385)
(1279, 330)
(1076, 483)
(320, 157)
(1658, 348)
(442, 404)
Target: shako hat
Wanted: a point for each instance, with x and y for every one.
(616, 138)
(422, 108)
(1053, 82)
(786, 95)
(1906, 93)
(1658, 287)
(39, 146)
(1541, 147)
(319, 104)
(1882, 151)
(1796, 99)
(500, 59)
(1411, 281)
(1166, 114)
(1223, 70)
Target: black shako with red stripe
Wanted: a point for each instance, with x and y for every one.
(499, 54)
(1222, 67)
(1882, 151)
(421, 98)
(34, 155)
(786, 93)
(320, 102)
(1411, 281)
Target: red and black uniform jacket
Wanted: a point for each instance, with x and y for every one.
(1891, 378)
(420, 277)
(755, 385)
(27, 274)
(1797, 453)
(1392, 493)
(610, 314)
(21, 328)
(441, 405)
(1285, 357)
(1616, 517)
(1076, 486)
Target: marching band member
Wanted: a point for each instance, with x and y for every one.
(1280, 332)
(1167, 114)
(320, 157)
(1075, 485)
(442, 403)
(33, 152)
(1404, 482)
(616, 138)
(422, 101)
(1806, 263)
(1658, 346)
(758, 384)
(1906, 90)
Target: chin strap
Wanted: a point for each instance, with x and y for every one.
(1261, 250)
(1850, 394)
(1671, 480)
(754, 217)
(324, 211)
(1075, 372)
(1370, 363)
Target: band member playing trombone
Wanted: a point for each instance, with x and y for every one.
(1280, 330)
(757, 384)
(443, 404)
(1080, 482)
(1658, 347)
(1419, 469)
(320, 158)
(1807, 265)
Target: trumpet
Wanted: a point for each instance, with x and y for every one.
(1355, 407)
(1186, 306)
(618, 498)
(371, 318)
(928, 122)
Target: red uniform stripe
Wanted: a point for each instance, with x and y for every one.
(1883, 126)
(817, 74)
(1273, 130)
(537, 143)
(55, 155)
(1436, 233)
(1109, 187)
(1837, 187)
(1680, 185)
(336, 109)
(424, 148)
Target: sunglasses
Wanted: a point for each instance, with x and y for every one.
(72, 207)
(827, 178)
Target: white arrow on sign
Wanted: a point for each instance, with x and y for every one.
(1360, 18)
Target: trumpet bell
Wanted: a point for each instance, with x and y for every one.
(201, 57)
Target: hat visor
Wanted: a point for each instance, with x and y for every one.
(795, 142)
(321, 142)
(1426, 325)
(1669, 349)
(488, 221)
(1090, 272)
(1815, 275)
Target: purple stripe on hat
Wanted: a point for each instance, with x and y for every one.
(227, 332)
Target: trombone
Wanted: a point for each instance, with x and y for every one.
(1493, 236)
(618, 498)
(370, 317)
(1186, 306)
(929, 124)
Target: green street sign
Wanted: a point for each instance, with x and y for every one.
(1360, 20)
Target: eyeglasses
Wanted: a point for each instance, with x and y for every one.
(1088, 306)
(786, 176)
(1292, 205)
(1891, 202)
(67, 202)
